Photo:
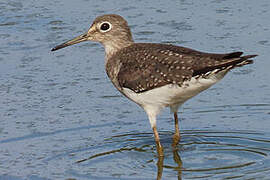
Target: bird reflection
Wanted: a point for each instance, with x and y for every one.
(160, 167)
(160, 163)
(177, 160)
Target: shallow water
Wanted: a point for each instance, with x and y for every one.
(60, 117)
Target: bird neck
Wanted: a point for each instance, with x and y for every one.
(112, 46)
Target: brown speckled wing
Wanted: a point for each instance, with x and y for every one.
(144, 66)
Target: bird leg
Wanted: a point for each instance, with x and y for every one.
(159, 146)
(176, 136)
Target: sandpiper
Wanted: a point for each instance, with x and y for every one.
(156, 76)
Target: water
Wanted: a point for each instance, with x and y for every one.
(61, 118)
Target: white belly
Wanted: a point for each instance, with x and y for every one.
(170, 95)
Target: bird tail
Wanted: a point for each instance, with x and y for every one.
(244, 60)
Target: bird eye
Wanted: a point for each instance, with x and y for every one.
(104, 27)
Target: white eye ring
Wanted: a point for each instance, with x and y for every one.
(105, 26)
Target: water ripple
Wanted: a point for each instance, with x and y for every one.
(204, 153)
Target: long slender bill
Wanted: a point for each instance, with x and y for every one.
(76, 40)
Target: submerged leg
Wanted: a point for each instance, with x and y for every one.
(176, 136)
